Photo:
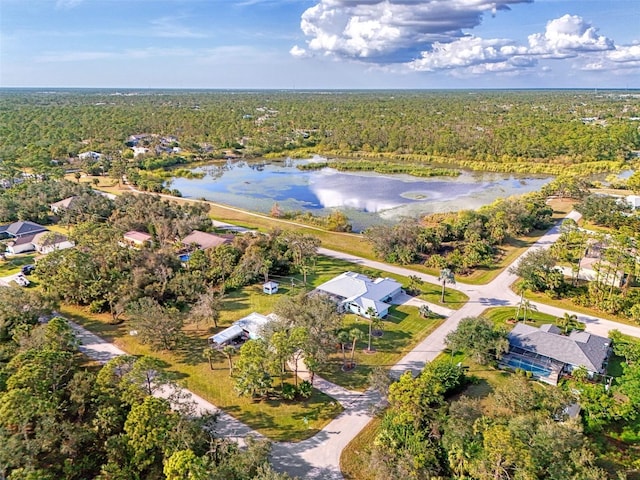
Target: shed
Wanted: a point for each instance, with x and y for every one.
(270, 288)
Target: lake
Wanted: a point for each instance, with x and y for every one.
(367, 198)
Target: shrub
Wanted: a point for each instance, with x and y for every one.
(305, 389)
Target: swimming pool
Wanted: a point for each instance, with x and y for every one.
(185, 257)
(529, 366)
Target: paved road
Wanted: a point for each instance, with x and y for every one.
(319, 457)
(227, 426)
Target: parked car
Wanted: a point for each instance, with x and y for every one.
(27, 269)
(22, 280)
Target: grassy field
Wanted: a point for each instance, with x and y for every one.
(403, 329)
(13, 264)
(501, 317)
(278, 420)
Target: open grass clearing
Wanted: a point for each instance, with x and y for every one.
(504, 317)
(279, 420)
(14, 263)
(402, 330)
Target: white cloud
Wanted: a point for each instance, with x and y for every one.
(433, 35)
(390, 31)
(493, 55)
(298, 52)
(568, 36)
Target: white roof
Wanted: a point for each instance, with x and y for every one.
(234, 331)
(351, 286)
(253, 324)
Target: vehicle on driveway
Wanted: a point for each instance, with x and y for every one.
(28, 269)
(22, 280)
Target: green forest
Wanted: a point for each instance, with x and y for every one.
(488, 130)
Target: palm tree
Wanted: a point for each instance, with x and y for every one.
(569, 322)
(209, 353)
(425, 311)
(446, 277)
(374, 319)
(343, 338)
(355, 335)
(528, 307)
(229, 351)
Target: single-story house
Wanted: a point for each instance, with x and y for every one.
(358, 293)
(249, 327)
(137, 151)
(546, 353)
(634, 201)
(63, 204)
(21, 245)
(21, 229)
(136, 239)
(89, 156)
(205, 240)
(592, 268)
(270, 287)
(47, 242)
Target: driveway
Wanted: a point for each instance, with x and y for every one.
(319, 456)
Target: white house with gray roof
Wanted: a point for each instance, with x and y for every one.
(547, 353)
(357, 293)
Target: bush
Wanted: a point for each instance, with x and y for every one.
(288, 391)
(305, 389)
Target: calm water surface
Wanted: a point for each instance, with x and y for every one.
(367, 198)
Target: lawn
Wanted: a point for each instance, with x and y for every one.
(328, 267)
(13, 264)
(501, 316)
(278, 420)
(403, 329)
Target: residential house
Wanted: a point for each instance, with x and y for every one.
(89, 156)
(204, 240)
(47, 242)
(21, 229)
(593, 267)
(249, 327)
(137, 151)
(358, 293)
(136, 239)
(546, 353)
(21, 245)
(63, 204)
(634, 201)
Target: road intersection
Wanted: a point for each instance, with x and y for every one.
(319, 456)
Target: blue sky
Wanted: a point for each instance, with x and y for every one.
(320, 44)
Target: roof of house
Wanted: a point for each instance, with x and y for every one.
(45, 239)
(578, 349)
(136, 236)
(252, 324)
(20, 229)
(64, 203)
(205, 240)
(360, 289)
(23, 240)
